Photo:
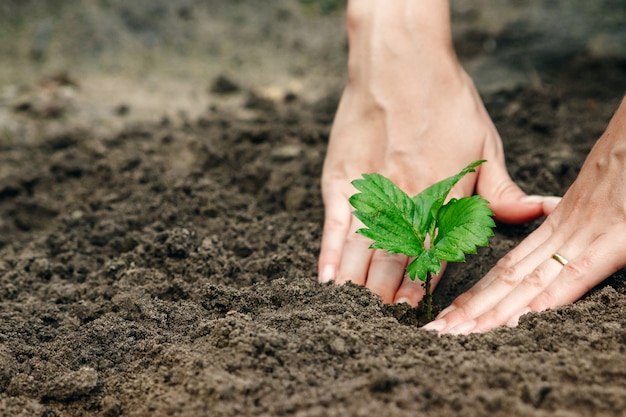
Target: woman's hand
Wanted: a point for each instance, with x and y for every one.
(411, 113)
(586, 231)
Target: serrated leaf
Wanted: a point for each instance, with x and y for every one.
(430, 200)
(423, 264)
(400, 224)
(388, 213)
(463, 225)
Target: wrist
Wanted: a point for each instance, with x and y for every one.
(400, 45)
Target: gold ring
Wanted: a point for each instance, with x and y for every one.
(559, 259)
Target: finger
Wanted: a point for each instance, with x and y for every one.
(535, 286)
(385, 274)
(336, 226)
(496, 285)
(549, 204)
(505, 198)
(412, 291)
(356, 257)
(599, 260)
(515, 303)
(570, 280)
(509, 261)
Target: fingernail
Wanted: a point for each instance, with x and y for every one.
(549, 203)
(403, 300)
(546, 200)
(463, 328)
(436, 325)
(327, 274)
(514, 320)
(446, 310)
(532, 199)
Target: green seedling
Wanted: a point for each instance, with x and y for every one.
(398, 223)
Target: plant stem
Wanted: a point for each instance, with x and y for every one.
(428, 298)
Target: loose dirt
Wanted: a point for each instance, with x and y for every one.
(166, 265)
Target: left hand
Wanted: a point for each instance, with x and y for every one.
(587, 229)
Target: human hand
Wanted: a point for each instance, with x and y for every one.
(412, 114)
(587, 230)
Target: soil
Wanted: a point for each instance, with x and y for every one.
(166, 265)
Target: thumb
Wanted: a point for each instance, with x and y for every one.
(509, 203)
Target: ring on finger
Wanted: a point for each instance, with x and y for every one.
(560, 259)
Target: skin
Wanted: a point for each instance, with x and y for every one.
(528, 279)
(404, 82)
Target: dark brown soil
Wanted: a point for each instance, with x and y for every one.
(170, 269)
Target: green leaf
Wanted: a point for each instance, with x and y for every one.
(423, 264)
(388, 213)
(430, 200)
(463, 225)
(400, 224)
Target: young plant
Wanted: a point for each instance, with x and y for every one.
(398, 223)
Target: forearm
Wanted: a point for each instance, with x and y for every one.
(616, 131)
(609, 153)
(386, 37)
(401, 52)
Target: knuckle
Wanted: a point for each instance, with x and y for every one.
(536, 279)
(544, 301)
(463, 299)
(504, 188)
(461, 313)
(578, 276)
(490, 318)
(507, 261)
(333, 223)
(576, 269)
(506, 273)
